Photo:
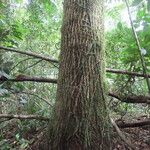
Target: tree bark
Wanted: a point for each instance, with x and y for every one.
(81, 120)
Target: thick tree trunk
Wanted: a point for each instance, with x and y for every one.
(80, 118)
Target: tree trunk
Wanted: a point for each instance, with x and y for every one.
(80, 118)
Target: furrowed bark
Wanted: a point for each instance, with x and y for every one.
(81, 119)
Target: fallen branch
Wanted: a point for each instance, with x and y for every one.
(10, 116)
(128, 73)
(23, 78)
(121, 135)
(56, 61)
(131, 99)
(30, 54)
(122, 124)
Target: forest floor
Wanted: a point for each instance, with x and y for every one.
(34, 139)
(139, 137)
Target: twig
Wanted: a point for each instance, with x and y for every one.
(34, 64)
(19, 63)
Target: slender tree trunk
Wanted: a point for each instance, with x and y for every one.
(80, 118)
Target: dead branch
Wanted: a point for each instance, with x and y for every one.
(30, 54)
(23, 78)
(121, 135)
(56, 61)
(11, 116)
(131, 99)
(128, 73)
(122, 124)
